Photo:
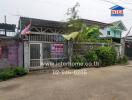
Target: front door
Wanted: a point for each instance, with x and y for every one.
(35, 55)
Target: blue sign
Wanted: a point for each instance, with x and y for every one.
(117, 11)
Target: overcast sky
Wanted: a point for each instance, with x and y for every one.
(97, 10)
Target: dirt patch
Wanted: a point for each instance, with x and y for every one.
(10, 87)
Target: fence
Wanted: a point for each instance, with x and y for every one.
(44, 48)
(41, 48)
(83, 47)
(10, 53)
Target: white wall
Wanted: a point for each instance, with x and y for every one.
(104, 32)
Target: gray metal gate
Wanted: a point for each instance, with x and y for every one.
(35, 55)
(128, 50)
(47, 49)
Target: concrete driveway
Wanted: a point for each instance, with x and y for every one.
(110, 83)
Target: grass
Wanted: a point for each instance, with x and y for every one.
(9, 73)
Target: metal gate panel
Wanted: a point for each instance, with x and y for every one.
(42, 48)
(35, 55)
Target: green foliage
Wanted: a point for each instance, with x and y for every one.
(123, 60)
(93, 32)
(91, 56)
(6, 74)
(105, 41)
(74, 25)
(79, 61)
(11, 72)
(107, 55)
(19, 71)
(89, 34)
(86, 34)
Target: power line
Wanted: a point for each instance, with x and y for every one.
(115, 4)
(126, 2)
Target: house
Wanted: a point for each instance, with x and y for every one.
(93, 23)
(111, 31)
(45, 43)
(7, 29)
(114, 31)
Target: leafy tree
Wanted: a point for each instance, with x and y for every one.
(89, 34)
(85, 33)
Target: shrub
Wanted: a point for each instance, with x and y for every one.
(123, 60)
(19, 71)
(6, 74)
(91, 56)
(12, 72)
(107, 55)
(79, 61)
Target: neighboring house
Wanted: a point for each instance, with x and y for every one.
(10, 49)
(109, 30)
(93, 23)
(114, 31)
(7, 29)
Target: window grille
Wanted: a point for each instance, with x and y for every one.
(46, 37)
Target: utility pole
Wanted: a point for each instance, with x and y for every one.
(5, 25)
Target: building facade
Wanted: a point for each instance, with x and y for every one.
(45, 44)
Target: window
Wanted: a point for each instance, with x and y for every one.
(108, 32)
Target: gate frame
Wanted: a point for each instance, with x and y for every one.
(27, 43)
(41, 59)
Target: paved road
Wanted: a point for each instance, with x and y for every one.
(110, 83)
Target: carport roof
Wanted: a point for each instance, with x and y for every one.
(24, 21)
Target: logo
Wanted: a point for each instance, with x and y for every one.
(117, 11)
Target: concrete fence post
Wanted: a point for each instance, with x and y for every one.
(122, 47)
(26, 55)
(70, 50)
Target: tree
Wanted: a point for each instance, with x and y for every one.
(89, 34)
(85, 33)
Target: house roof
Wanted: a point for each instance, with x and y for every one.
(8, 27)
(55, 24)
(117, 7)
(24, 21)
(120, 25)
(91, 23)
